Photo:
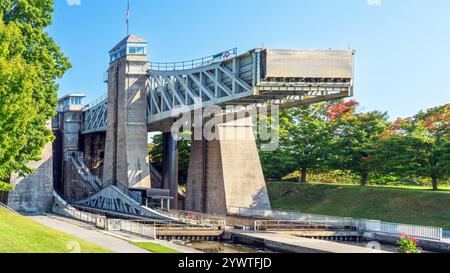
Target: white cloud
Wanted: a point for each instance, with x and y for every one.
(374, 2)
(74, 2)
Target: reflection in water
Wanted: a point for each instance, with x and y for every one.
(230, 247)
(220, 247)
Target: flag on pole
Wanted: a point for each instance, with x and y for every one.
(128, 16)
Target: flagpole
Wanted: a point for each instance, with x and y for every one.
(128, 18)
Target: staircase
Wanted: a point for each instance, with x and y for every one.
(156, 176)
(77, 161)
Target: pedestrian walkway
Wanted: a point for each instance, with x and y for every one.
(88, 233)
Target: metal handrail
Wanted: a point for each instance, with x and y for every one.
(193, 218)
(97, 101)
(7, 208)
(157, 174)
(196, 63)
(280, 225)
(433, 233)
(85, 174)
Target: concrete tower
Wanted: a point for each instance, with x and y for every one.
(126, 159)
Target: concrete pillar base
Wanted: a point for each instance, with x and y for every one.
(226, 172)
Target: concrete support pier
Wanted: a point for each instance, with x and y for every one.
(126, 158)
(226, 172)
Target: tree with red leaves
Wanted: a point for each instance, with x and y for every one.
(355, 135)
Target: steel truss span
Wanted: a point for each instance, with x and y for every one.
(286, 78)
(113, 200)
(95, 116)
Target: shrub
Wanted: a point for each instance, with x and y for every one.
(408, 244)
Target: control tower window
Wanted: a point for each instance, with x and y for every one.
(136, 50)
(76, 100)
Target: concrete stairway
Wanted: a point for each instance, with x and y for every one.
(156, 176)
(85, 173)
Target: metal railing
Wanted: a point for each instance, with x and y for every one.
(132, 227)
(87, 217)
(217, 58)
(364, 225)
(290, 225)
(85, 173)
(8, 208)
(97, 101)
(197, 219)
(156, 174)
(61, 207)
(425, 232)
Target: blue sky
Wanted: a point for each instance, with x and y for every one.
(402, 61)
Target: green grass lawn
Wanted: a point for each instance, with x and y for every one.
(401, 205)
(155, 248)
(19, 234)
(442, 188)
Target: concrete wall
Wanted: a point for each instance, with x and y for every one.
(35, 191)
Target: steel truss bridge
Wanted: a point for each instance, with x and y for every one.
(259, 77)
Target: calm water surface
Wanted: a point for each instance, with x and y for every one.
(230, 247)
(221, 247)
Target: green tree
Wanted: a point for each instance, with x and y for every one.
(355, 137)
(184, 150)
(30, 64)
(277, 164)
(305, 138)
(418, 146)
(16, 88)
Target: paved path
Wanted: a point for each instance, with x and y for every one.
(136, 239)
(298, 244)
(88, 233)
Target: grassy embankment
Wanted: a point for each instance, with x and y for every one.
(19, 234)
(401, 205)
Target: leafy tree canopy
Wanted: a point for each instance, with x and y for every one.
(355, 135)
(305, 138)
(30, 63)
(184, 149)
(418, 146)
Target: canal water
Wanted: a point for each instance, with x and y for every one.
(231, 247)
(221, 247)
